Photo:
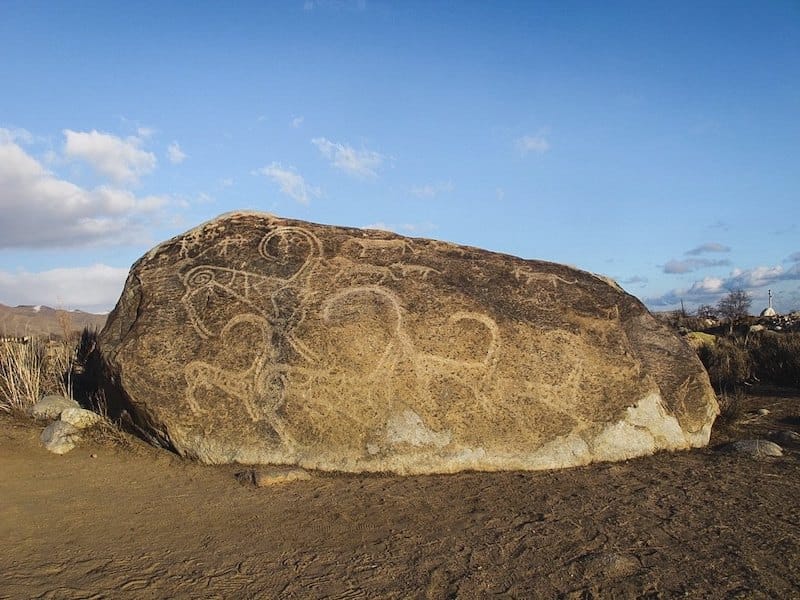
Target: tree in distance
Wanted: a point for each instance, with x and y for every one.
(735, 305)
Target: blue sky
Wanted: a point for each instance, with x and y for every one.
(656, 143)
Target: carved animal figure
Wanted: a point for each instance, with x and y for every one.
(406, 269)
(530, 276)
(474, 373)
(248, 385)
(368, 245)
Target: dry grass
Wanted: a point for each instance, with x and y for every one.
(731, 408)
(32, 369)
(22, 369)
(106, 430)
(728, 363)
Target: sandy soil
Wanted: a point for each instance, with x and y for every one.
(142, 523)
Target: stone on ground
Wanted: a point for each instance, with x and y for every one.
(754, 448)
(80, 418)
(261, 340)
(60, 437)
(50, 407)
(785, 437)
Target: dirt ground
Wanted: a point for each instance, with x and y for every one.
(142, 523)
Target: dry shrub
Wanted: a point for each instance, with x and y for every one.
(776, 358)
(34, 367)
(106, 430)
(731, 407)
(728, 364)
(22, 368)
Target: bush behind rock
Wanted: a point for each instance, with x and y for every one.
(767, 357)
(727, 362)
(776, 358)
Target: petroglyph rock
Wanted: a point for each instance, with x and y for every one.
(259, 340)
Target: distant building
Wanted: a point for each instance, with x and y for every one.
(769, 311)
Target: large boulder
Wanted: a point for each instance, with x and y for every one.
(255, 339)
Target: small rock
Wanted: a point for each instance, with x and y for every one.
(763, 412)
(245, 477)
(80, 418)
(60, 437)
(754, 448)
(266, 477)
(93, 456)
(51, 407)
(785, 437)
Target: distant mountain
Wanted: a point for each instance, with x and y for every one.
(45, 321)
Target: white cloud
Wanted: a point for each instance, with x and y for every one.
(175, 154)
(692, 264)
(8, 136)
(226, 182)
(431, 190)
(145, 132)
(708, 247)
(121, 160)
(636, 279)
(360, 163)
(297, 121)
(707, 285)
(533, 143)
(711, 289)
(95, 288)
(499, 194)
(39, 209)
(291, 183)
(761, 276)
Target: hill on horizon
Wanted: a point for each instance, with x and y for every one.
(45, 321)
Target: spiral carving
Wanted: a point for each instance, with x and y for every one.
(199, 277)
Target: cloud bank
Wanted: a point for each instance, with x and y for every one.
(121, 160)
(710, 289)
(95, 288)
(291, 183)
(693, 264)
(708, 247)
(40, 209)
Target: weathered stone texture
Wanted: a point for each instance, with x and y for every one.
(261, 340)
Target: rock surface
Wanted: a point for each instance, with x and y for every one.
(80, 418)
(785, 437)
(259, 340)
(51, 407)
(754, 448)
(60, 437)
